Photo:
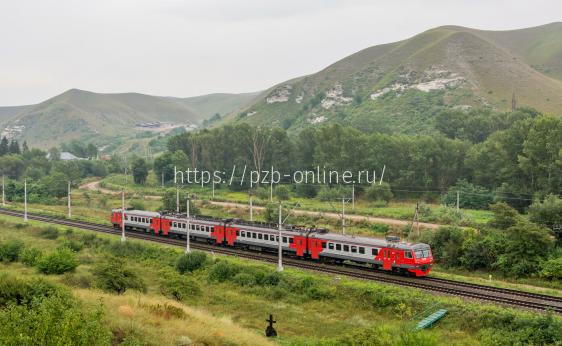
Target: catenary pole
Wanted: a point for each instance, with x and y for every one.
(187, 245)
(123, 215)
(25, 200)
(3, 193)
(69, 203)
(280, 263)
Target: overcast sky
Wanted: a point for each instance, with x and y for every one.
(192, 47)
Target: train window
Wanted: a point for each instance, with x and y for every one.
(277, 239)
(338, 247)
(254, 235)
(197, 227)
(323, 245)
(361, 250)
(259, 235)
(354, 249)
(407, 254)
(237, 233)
(126, 217)
(346, 248)
(375, 252)
(284, 239)
(149, 220)
(266, 237)
(174, 224)
(331, 246)
(290, 240)
(243, 234)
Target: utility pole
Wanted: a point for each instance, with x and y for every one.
(213, 188)
(177, 199)
(280, 263)
(162, 179)
(3, 193)
(187, 248)
(251, 207)
(271, 190)
(458, 198)
(125, 175)
(353, 197)
(25, 200)
(123, 215)
(343, 216)
(418, 219)
(69, 205)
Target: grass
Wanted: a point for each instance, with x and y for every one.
(308, 307)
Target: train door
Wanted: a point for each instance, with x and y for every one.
(387, 260)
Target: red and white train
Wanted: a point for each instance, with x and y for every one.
(317, 244)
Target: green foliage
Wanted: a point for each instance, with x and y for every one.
(169, 202)
(306, 190)
(552, 269)
(30, 256)
(137, 204)
(504, 216)
(547, 213)
(470, 196)
(114, 276)
(10, 250)
(62, 319)
(180, 288)
(190, 262)
(140, 170)
(49, 233)
(222, 271)
(59, 262)
(379, 192)
(262, 193)
(282, 192)
(332, 194)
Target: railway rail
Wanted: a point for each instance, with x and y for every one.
(528, 300)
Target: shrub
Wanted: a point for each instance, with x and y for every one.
(53, 319)
(306, 190)
(282, 192)
(10, 250)
(191, 261)
(114, 276)
(504, 216)
(180, 288)
(17, 291)
(377, 192)
(222, 271)
(244, 279)
(72, 245)
(79, 279)
(30, 256)
(327, 193)
(49, 233)
(262, 193)
(59, 262)
(548, 213)
(552, 269)
(137, 204)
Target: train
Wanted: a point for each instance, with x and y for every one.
(317, 244)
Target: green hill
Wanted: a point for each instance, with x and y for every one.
(399, 87)
(110, 118)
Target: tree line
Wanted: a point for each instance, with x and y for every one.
(512, 156)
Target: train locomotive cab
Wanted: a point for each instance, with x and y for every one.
(422, 259)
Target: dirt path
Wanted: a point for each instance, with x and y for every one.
(95, 186)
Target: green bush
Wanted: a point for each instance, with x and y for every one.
(30, 256)
(552, 269)
(306, 190)
(114, 276)
(180, 288)
(222, 271)
(470, 196)
(49, 233)
(244, 279)
(72, 245)
(377, 192)
(137, 204)
(504, 216)
(52, 320)
(262, 193)
(190, 262)
(59, 262)
(10, 250)
(282, 192)
(327, 193)
(18, 291)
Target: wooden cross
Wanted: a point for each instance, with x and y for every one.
(270, 331)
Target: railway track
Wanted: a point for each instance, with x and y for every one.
(503, 296)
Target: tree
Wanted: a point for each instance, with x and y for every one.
(282, 192)
(114, 276)
(169, 202)
(24, 147)
(54, 154)
(14, 147)
(504, 216)
(548, 213)
(527, 246)
(377, 192)
(470, 196)
(190, 262)
(59, 262)
(4, 146)
(140, 171)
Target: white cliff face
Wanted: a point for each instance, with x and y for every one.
(12, 131)
(281, 94)
(435, 78)
(317, 119)
(334, 97)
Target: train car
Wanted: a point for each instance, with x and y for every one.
(388, 254)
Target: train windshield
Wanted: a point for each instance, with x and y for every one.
(423, 253)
